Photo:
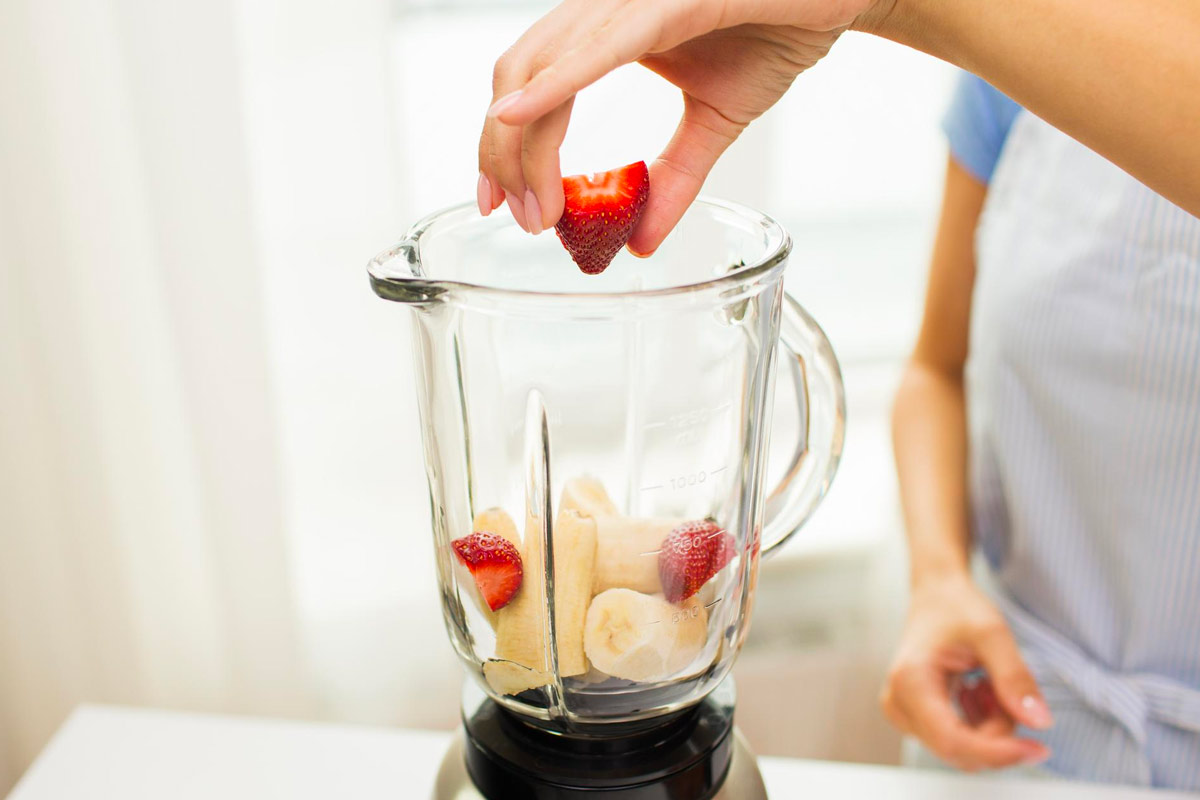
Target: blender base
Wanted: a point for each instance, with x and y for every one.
(742, 782)
(693, 754)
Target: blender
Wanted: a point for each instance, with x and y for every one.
(600, 443)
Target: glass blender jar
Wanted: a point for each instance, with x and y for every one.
(613, 431)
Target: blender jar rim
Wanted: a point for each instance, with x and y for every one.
(411, 285)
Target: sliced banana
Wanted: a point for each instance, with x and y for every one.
(641, 637)
(522, 652)
(587, 496)
(496, 520)
(627, 552)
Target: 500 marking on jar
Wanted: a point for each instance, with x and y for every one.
(684, 614)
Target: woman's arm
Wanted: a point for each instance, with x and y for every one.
(1123, 78)
(951, 626)
(929, 427)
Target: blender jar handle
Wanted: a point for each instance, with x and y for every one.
(822, 410)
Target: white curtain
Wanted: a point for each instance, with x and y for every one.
(166, 168)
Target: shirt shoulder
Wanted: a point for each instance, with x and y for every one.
(977, 123)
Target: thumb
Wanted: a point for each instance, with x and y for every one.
(1012, 681)
(677, 175)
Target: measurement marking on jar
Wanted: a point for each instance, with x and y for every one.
(690, 479)
(687, 419)
(684, 614)
(687, 480)
(714, 602)
(686, 544)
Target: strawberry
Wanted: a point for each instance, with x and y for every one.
(600, 214)
(494, 563)
(976, 698)
(691, 554)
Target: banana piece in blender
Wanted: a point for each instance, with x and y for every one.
(496, 520)
(586, 496)
(626, 547)
(641, 637)
(522, 652)
(627, 552)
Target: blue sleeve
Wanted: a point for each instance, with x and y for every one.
(976, 125)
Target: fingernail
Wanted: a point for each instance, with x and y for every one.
(483, 194)
(504, 103)
(518, 210)
(533, 212)
(1037, 714)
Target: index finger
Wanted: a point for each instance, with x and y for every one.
(623, 39)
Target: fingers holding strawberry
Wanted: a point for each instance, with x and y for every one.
(600, 213)
(958, 682)
(732, 59)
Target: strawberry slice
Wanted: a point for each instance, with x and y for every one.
(494, 563)
(600, 214)
(691, 554)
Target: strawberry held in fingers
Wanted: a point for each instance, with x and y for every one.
(494, 563)
(600, 213)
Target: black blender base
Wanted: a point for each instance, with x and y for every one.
(742, 782)
(695, 754)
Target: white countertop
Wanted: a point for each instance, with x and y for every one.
(104, 752)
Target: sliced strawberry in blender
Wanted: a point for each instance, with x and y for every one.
(494, 563)
(691, 555)
(600, 214)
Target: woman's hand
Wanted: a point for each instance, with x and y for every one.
(731, 58)
(953, 628)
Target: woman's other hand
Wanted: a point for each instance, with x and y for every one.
(953, 628)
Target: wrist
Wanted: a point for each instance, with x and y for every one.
(938, 572)
(915, 23)
(878, 19)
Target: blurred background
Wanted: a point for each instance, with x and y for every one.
(211, 487)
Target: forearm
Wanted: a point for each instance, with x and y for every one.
(929, 437)
(1122, 77)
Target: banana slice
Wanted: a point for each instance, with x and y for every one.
(626, 547)
(642, 637)
(627, 552)
(587, 496)
(522, 652)
(496, 520)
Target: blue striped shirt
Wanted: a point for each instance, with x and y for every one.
(1083, 398)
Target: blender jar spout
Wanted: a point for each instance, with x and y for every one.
(396, 275)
